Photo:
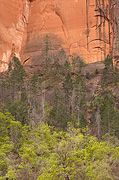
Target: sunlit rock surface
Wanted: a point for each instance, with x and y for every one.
(88, 28)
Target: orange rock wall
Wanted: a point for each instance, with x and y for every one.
(84, 27)
(13, 21)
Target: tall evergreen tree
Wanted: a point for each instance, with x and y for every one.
(59, 115)
(15, 86)
(79, 97)
(15, 79)
(68, 87)
(107, 114)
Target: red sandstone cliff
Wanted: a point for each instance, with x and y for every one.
(86, 27)
(13, 21)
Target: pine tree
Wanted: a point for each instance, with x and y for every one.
(67, 87)
(107, 114)
(108, 75)
(15, 86)
(15, 79)
(79, 96)
(59, 115)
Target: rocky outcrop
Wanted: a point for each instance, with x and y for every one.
(13, 23)
(116, 31)
(77, 26)
(88, 28)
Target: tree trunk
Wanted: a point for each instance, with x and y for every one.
(78, 118)
(98, 120)
(67, 177)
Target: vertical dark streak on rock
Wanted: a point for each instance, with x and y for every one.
(87, 23)
(117, 18)
(109, 10)
(96, 16)
(113, 33)
(106, 11)
(100, 36)
(114, 27)
(96, 1)
(117, 28)
(116, 32)
(103, 6)
(100, 22)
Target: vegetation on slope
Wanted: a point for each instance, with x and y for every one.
(44, 153)
(51, 124)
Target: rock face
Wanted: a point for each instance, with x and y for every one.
(116, 31)
(88, 28)
(13, 22)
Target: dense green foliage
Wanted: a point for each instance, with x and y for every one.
(44, 153)
(45, 128)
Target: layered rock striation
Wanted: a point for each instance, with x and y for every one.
(88, 28)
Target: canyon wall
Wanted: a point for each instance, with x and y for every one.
(13, 24)
(88, 28)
